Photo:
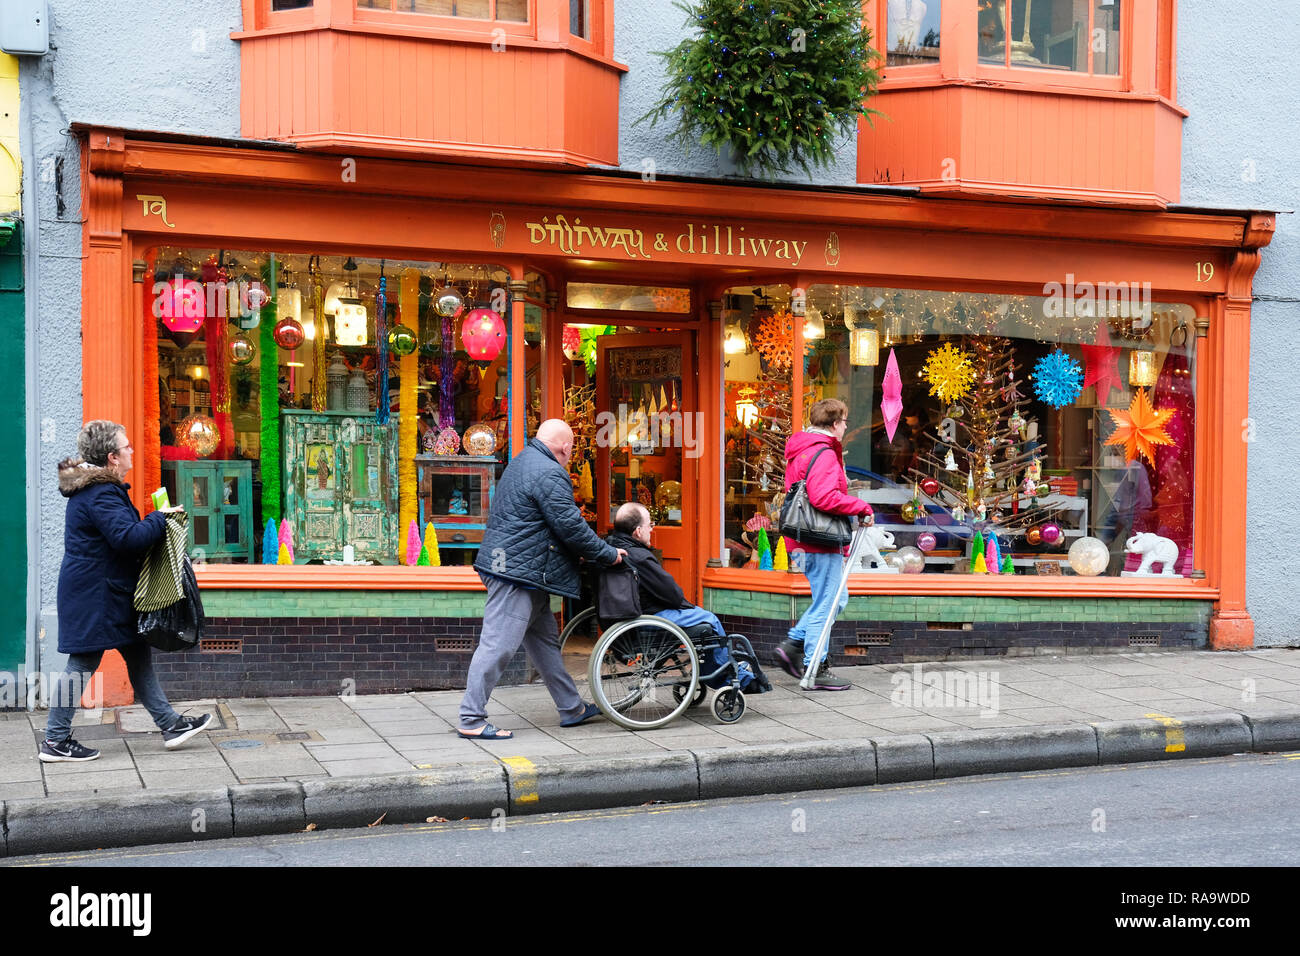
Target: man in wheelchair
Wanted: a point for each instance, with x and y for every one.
(663, 597)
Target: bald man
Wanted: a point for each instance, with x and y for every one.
(534, 536)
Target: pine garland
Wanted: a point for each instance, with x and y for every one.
(776, 81)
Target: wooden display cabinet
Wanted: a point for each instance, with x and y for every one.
(340, 484)
(218, 495)
(438, 478)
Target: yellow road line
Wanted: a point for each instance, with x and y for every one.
(1174, 742)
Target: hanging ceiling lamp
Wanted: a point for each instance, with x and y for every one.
(1142, 368)
(864, 338)
(350, 317)
(814, 326)
(746, 407)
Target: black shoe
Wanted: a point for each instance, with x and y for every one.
(825, 680)
(789, 654)
(186, 728)
(69, 749)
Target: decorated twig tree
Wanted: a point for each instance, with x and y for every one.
(983, 469)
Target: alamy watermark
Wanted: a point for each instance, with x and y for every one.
(52, 689)
(921, 690)
(240, 301)
(1094, 300)
(644, 432)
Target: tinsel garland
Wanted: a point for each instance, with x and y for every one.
(215, 339)
(151, 442)
(408, 427)
(269, 398)
(319, 360)
(446, 405)
(381, 343)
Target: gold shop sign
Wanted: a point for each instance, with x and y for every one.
(576, 238)
(155, 206)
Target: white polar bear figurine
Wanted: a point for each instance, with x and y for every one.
(1153, 548)
(876, 538)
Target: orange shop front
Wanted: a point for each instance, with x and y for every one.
(684, 339)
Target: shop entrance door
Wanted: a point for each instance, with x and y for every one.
(650, 445)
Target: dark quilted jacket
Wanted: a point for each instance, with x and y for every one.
(104, 544)
(535, 533)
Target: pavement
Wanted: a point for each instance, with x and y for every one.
(287, 764)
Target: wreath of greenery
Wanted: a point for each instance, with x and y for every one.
(776, 81)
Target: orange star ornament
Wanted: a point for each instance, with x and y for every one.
(1140, 428)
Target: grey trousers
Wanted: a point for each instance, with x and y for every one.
(515, 615)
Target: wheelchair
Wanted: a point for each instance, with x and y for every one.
(646, 671)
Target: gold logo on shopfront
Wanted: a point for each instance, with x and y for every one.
(574, 238)
(497, 226)
(155, 205)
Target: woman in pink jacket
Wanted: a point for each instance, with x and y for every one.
(827, 491)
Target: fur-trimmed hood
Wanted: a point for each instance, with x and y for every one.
(77, 475)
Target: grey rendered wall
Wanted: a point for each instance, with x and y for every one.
(135, 64)
(643, 27)
(1237, 78)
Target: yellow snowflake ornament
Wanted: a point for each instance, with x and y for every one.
(949, 372)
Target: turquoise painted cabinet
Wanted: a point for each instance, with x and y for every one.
(340, 484)
(219, 498)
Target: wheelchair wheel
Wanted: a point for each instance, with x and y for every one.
(679, 692)
(577, 640)
(729, 705)
(643, 673)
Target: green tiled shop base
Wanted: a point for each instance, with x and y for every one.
(781, 607)
(245, 604)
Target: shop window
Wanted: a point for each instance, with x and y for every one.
(987, 449)
(1078, 36)
(289, 4)
(579, 19)
(912, 32)
(271, 376)
(628, 298)
(758, 400)
(513, 11)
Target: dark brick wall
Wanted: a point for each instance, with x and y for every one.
(917, 642)
(287, 656)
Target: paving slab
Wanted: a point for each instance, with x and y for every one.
(20, 790)
(93, 781)
(194, 777)
(350, 735)
(332, 752)
(372, 765)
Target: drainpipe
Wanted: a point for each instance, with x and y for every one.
(31, 302)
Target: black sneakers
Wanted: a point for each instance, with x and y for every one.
(789, 654)
(186, 728)
(69, 749)
(825, 680)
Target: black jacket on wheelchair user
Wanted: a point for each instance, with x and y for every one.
(659, 591)
(535, 532)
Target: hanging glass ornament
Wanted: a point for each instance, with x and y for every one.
(930, 486)
(448, 303)
(910, 512)
(1034, 536)
(401, 340)
(288, 333)
(241, 350)
(1051, 533)
(949, 462)
(926, 541)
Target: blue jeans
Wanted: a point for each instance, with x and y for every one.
(690, 616)
(76, 677)
(823, 573)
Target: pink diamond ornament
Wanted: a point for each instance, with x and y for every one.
(891, 403)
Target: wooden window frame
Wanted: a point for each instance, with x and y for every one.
(407, 19)
(1030, 76)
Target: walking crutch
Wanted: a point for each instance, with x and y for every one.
(856, 544)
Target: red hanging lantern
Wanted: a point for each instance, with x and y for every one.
(484, 335)
(181, 306)
(571, 343)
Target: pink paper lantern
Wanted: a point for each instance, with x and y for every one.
(484, 335)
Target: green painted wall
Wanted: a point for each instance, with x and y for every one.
(346, 603)
(13, 432)
(782, 607)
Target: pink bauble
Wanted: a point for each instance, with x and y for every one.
(1051, 533)
(926, 541)
(484, 335)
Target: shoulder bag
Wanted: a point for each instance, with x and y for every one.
(801, 522)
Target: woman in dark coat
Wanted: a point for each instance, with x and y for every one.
(104, 545)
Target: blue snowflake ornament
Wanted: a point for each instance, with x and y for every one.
(1058, 379)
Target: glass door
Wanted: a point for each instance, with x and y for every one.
(645, 399)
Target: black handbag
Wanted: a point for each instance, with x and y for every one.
(618, 593)
(801, 522)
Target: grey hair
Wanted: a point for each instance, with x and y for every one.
(97, 440)
(630, 516)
